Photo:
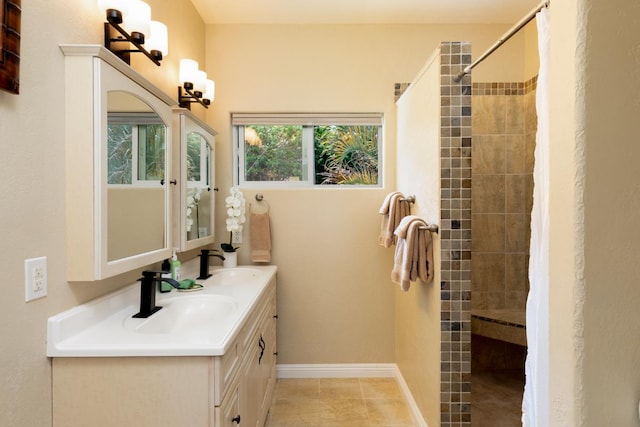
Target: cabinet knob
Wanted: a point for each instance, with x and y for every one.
(236, 419)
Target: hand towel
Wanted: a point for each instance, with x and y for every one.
(393, 209)
(260, 236)
(413, 258)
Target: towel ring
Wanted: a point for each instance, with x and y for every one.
(260, 199)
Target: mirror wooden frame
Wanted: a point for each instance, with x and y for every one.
(10, 12)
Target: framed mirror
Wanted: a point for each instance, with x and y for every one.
(194, 223)
(118, 166)
(136, 177)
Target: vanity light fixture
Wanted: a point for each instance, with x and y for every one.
(194, 85)
(129, 28)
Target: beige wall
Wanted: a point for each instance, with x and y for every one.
(334, 291)
(32, 200)
(612, 295)
(532, 60)
(417, 312)
(595, 341)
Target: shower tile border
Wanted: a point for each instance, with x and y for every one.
(505, 88)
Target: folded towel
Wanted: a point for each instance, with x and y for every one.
(393, 209)
(260, 235)
(413, 258)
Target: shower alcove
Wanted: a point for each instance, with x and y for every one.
(482, 132)
(503, 129)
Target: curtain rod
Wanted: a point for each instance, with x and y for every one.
(506, 36)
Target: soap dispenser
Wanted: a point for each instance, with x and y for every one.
(175, 266)
(166, 273)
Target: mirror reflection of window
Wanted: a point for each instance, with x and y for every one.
(128, 138)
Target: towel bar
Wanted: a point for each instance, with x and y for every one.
(409, 199)
(431, 227)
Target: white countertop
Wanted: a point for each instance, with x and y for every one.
(104, 327)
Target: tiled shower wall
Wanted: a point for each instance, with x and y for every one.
(455, 236)
(504, 126)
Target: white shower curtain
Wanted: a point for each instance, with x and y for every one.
(535, 403)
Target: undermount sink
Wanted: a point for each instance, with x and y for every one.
(184, 314)
(233, 275)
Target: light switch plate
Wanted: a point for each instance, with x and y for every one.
(35, 278)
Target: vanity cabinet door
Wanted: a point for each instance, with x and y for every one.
(268, 362)
(250, 387)
(259, 373)
(250, 390)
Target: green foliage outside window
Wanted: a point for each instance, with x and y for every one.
(273, 153)
(341, 154)
(346, 154)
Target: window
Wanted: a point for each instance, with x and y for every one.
(136, 149)
(307, 149)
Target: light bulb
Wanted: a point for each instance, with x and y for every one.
(158, 38)
(188, 70)
(200, 83)
(138, 20)
(210, 90)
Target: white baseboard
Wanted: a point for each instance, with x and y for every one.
(411, 403)
(355, 370)
(348, 370)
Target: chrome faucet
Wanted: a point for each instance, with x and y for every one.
(148, 292)
(204, 262)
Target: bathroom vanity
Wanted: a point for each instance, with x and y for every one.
(207, 358)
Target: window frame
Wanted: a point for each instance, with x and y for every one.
(307, 121)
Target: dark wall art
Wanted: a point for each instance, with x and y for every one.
(10, 45)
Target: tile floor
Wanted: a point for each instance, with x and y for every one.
(496, 398)
(338, 402)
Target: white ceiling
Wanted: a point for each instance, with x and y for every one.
(362, 11)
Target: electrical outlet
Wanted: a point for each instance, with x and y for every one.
(236, 238)
(35, 275)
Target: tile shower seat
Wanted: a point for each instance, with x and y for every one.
(503, 325)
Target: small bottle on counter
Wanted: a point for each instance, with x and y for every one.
(175, 266)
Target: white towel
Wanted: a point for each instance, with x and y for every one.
(413, 258)
(393, 209)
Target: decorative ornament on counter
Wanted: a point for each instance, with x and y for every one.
(235, 204)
